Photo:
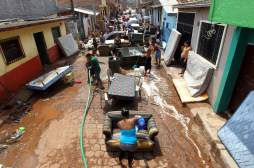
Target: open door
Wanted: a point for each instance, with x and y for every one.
(41, 47)
(245, 81)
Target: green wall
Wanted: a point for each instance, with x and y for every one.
(233, 12)
(241, 37)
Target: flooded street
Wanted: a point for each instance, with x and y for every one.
(52, 129)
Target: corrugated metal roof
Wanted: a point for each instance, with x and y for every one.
(193, 4)
(8, 25)
(86, 11)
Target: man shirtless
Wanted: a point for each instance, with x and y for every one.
(184, 55)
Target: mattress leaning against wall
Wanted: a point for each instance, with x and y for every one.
(68, 45)
(238, 133)
(173, 42)
(197, 75)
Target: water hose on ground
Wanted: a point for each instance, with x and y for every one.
(86, 109)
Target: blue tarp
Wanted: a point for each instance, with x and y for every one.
(238, 133)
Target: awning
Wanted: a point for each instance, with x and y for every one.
(86, 11)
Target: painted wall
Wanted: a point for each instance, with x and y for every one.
(241, 37)
(15, 75)
(233, 12)
(202, 14)
(169, 23)
(218, 73)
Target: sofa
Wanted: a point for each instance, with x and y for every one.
(146, 138)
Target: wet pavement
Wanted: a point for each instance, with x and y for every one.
(52, 128)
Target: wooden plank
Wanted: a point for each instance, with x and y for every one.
(184, 93)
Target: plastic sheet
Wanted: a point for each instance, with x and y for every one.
(68, 45)
(198, 74)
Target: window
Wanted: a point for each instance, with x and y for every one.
(210, 40)
(56, 33)
(12, 50)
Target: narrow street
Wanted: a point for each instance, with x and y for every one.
(52, 128)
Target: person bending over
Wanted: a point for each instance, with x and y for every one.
(95, 69)
(128, 138)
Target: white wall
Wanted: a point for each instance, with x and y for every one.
(218, 73)
(202, 14)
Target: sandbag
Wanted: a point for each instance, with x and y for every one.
(198, 74)
(68, 45)
(173, 42)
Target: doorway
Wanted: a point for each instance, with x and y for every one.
(245, 81)
(41, 47)
(185, 22)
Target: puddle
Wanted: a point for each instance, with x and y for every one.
(151, 87)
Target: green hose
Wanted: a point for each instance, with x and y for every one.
(88, 103)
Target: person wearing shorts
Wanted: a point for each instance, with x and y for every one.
(158, 55)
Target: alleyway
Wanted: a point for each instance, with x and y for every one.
(52, 129)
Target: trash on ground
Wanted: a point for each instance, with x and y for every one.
(3, 147)
(16, 135)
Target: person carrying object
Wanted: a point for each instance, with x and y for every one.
(128, 138)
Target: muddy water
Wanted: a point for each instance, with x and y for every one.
(161, 93)
(52, 128)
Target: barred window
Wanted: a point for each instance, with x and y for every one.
(12, 50)
(210, 41)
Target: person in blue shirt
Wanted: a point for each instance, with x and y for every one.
(158, 54)
(128, 138)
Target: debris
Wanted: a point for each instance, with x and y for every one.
(78, 81)
(3, 147)
(16, 135)
(20, 110)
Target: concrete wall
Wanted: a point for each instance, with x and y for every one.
(27, 8)
(218, 73)
(170, 20)
(202, 14)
